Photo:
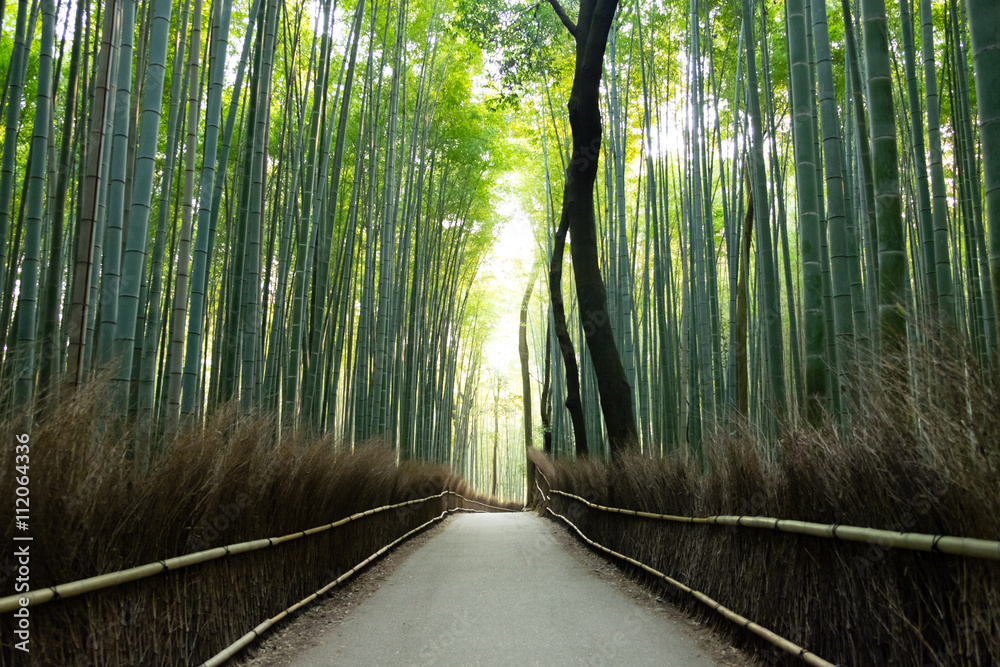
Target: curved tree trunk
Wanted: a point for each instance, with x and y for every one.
(591, 33)
(573, 403)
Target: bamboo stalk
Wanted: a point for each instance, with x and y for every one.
(43, 595)
(759, 630)
(957, 546)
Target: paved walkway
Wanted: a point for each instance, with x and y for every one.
(498, 589)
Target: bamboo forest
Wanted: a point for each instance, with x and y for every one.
(291, 206)
(683, 257)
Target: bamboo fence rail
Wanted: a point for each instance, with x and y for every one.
(110, 579)
(759, 630)
(492, 507)
(243, 641)
(957, 546)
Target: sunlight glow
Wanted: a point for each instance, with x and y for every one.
(506, 269)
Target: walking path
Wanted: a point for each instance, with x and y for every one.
(499, 589)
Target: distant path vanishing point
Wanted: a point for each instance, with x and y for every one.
(499, 589)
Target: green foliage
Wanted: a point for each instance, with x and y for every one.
(476, 92)
(520, 43)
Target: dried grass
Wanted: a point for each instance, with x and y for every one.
(926, 463)
(94, 510)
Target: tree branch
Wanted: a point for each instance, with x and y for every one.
(561, 13)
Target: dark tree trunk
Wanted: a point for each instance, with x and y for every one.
(573, 403)
(546, 399)
(522, 348)
(591, 33)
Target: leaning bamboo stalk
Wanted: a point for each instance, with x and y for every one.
(234, 648)
(759, 630)
(957, 546)
(43, 595)
(13, 90)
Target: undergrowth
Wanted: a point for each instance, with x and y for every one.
(94, 510)
(924, 462)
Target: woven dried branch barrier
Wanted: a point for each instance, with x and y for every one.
(43, 595)
(759, 630)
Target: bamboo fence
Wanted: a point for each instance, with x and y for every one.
(957, 546)
(110, 579)
(243, 641)
(759, 630)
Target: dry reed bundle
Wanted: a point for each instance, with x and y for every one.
(911, 462)
(95, 510)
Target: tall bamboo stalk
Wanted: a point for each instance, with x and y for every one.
(885, 169)
(984, 26)
(24, 382)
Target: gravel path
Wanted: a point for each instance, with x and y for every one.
(500, 589)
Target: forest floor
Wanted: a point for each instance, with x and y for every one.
(494, 589)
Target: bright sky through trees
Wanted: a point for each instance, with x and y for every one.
(505, 271)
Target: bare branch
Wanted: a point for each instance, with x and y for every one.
(561, 13)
